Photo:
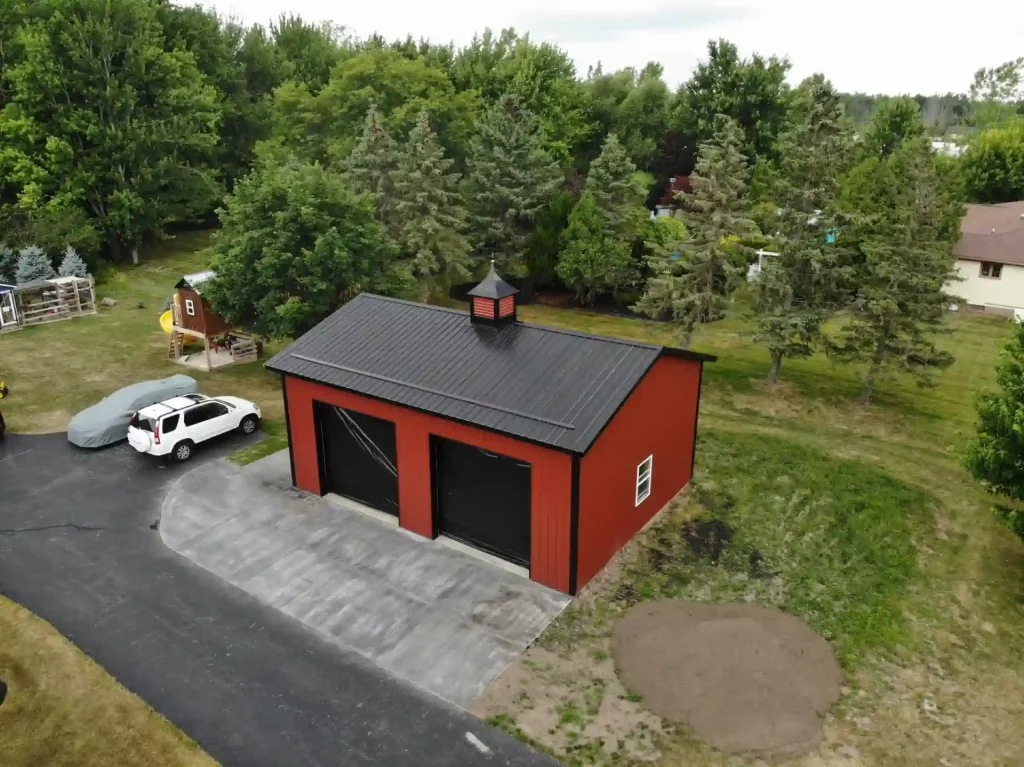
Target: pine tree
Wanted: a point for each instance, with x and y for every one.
(430, 217)
(996, 455)
(692, 278)
(72, 265)
(802, 286)
(591, 261)
(371, 165)
(510, 180)
(618, 194)
(8, 263)
(905, 260)
(33, 264)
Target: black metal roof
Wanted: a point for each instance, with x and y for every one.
(547, 385)
(492, 286)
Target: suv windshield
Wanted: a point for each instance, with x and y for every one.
(143, 424)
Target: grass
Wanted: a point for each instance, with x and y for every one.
(832, 542)
(63, 709)
(55, 370)
(858, 519)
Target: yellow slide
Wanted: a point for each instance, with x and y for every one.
(167, 321)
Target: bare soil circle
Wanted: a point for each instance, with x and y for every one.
(745, 678)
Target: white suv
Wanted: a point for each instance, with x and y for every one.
(175, 426)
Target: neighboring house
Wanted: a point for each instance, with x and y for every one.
(545, 447)
(669, 202)
(990, 258)
(948, 148)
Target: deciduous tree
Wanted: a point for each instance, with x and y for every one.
(992, 168)
(693, 277)
(101, 113)
(296, 243)
(753, 92)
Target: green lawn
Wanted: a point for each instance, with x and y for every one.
(858, 519)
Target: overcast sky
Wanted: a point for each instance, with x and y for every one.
(862, 45)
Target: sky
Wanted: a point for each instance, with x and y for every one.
(876, 47)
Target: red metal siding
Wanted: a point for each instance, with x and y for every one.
(507, 306)
(551, 478)
(658, 419)
(483, 307)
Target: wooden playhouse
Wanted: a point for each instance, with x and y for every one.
(192, 318)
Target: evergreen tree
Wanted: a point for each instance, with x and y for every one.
(8, 263)
(895, 214)
(371, 165)
(592, 261)
(510, 180)
(693, 277)
(895, 121)
(33, 264)
(72, 265)
(429, 214)
(996, 455)
(801, 287)
(618, 193)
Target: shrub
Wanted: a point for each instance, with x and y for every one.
(33, 264)
(72, 265)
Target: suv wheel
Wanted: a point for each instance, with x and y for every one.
(248, 424)
(183, 451)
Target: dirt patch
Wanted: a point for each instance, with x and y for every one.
(747, 679)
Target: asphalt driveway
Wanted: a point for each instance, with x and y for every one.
(432, 615)
(79, 547)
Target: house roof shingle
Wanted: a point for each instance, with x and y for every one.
(547, 385)
(993, 233)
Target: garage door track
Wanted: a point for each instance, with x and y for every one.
(446, 621)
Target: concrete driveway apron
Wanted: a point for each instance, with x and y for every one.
(440, 618)
(254, 687)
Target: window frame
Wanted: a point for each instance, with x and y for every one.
(995, 270)
(196, 410)
(190, 307)
(173, 417)
(644, 476)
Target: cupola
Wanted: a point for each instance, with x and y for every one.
(493, 300)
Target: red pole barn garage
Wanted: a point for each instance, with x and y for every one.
(545, 447)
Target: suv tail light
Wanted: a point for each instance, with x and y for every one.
(156, 433)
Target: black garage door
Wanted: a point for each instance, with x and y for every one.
(358, 456)
(482, 498)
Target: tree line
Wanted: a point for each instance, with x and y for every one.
(334, 165)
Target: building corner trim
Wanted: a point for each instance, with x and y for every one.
(574, 526)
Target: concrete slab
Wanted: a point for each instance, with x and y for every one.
(433, 615)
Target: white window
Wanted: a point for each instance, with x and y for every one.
(643, 479)
(190, 308)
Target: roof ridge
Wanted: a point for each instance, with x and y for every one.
(537, 326)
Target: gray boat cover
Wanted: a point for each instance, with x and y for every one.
(106, 422)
